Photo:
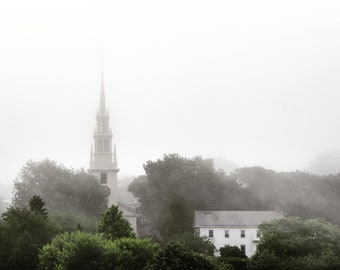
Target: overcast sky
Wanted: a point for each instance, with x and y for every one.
(256, 82)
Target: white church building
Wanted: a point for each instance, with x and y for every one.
(233, 228)
(103, 159)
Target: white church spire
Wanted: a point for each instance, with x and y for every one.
(103, 163)
(102, 105)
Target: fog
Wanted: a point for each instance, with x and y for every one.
(252, 82)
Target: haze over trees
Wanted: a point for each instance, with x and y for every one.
(174, 187)
(60, 188)
(73, 198)
(170, 191)
(325, 163)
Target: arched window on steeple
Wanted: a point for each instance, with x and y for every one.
(100, 146)
(106, 146)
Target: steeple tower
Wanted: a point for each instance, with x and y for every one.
(103, 161)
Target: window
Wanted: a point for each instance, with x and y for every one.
(103, 178)
(258, 235)
(211, 233)
(243, 248)
(243, 233)
(226, 233)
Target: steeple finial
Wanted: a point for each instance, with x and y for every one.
(102, 107)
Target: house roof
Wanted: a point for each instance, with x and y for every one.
(233, 218)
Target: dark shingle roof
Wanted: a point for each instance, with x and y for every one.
(233, 218)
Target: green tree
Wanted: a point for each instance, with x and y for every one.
(82, 251)
(37, 206)
(22, 234)
(174, 187)
(113, 226)
(79, 251)
(176, 256)
(293, 243)
(234, 256)
(135, 253)
(201, 245)
(61, 188)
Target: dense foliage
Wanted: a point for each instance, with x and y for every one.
(175, 187)
(22, 233)
(113, 226)
(201, 245)
(176, 256)
(293, 243)
(82, 251)
(60, 188)
(37, 206)
(136, 253)
(78, 250)
(234, 256)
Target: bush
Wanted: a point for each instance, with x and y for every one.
(176, 256)
(78, 251)
(202, 245)
(293, 243)
(234, 256)
(136, 253)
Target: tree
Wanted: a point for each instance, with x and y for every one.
(298, 193)
(82, 251)
(234, 256)
(113, 226)
(61, 188)
(176, 256)
(293, 243)
(22, 234)
(79, 251)
(135, 253)
(174, 187)
(37, 206)
(200, 245)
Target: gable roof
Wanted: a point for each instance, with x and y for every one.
(233, 218)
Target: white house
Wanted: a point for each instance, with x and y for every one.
(234, 228)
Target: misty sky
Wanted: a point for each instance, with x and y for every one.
(256, 82)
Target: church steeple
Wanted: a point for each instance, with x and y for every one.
(103, 161)
(102, 106)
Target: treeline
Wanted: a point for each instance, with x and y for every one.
(297, 193)
(29, 240)
(75, 230)
(174, 187)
